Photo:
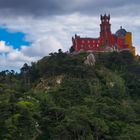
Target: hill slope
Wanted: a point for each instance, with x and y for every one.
(61, 98)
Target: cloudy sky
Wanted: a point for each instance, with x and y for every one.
(31, 29)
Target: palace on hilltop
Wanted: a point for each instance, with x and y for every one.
(106, 42)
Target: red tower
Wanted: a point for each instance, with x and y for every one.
(105, 30)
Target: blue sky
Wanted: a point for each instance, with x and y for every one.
(30, 30)
(15, 39)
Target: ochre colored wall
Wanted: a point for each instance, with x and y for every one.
(128, 40)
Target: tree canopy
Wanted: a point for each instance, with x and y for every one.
(61, 98)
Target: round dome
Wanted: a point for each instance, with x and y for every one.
(121, 32)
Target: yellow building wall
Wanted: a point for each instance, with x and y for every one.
(128, 40)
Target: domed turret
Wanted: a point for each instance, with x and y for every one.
(121, 32)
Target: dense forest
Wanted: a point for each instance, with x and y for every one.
(61, 98)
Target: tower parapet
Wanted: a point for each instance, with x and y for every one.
(105, 17)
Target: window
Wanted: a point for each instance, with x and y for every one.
(88, 41)
(82, 46)
(83, 41)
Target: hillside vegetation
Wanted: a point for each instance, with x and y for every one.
(61, 98)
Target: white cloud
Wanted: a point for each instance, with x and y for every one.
(4, 48)
(10, 57)
(15, 58)
(42, 47)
